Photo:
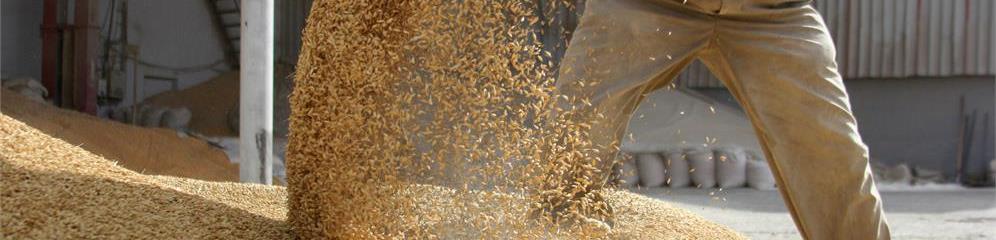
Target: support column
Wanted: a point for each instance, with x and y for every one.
(84, 58)
(50, 48)
(256, 92)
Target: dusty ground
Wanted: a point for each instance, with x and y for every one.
(933, 214)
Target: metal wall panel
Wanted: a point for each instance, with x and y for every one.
(901, 38)
(289, 20)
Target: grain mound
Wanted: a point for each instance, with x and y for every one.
(213, 102)
(209, 103)
(146, 150)
(55, 190)
(447, 213)
(435, 119)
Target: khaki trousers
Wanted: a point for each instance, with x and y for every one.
(777, 59)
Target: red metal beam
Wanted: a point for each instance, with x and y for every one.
(85, 47)
(50, 47)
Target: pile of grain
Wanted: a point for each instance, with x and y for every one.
(214, 103)
(209, 102)
(54, 190)
(446, 213)
(393, 96)
(146, 150)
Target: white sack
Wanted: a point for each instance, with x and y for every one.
(628, 173)
(731, 166)
(650, 166)
(759, 175)
(153, 117)
(26, 85)
(677, 169)
(177, 118)
(702, 167)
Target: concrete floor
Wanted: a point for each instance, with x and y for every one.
(912, 214)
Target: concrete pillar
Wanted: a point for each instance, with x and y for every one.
(256, 92)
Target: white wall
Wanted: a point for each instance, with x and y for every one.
(20, 38)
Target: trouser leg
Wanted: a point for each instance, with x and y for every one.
(621, 50)
(782, 70)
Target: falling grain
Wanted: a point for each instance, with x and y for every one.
(440, 119)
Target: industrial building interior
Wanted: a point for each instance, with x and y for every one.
(188, 89)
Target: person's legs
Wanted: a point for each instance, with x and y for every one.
(621, 50)
(780, 66)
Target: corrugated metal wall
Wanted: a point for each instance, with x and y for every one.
(901, 38)
(289, 17)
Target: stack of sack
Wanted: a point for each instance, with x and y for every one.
(723, 167)
(28, 87)
(903, 174)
